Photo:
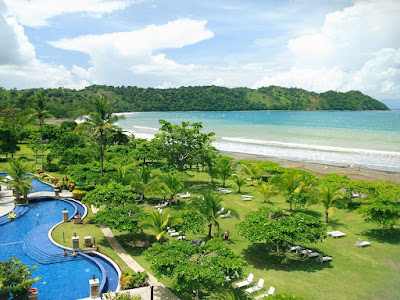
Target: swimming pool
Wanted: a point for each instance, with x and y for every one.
(61, 277)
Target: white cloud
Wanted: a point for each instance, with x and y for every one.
(121, 57)
(219, 82)
(36, 13)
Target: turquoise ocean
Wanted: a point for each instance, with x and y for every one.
(369, 139)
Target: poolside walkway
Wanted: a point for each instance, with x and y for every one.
(161, 292)
(6, 200)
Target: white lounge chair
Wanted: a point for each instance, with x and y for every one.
(313, 254)
(259, 286)
(321, 258)
(245, 282)
(181, 237)
(271, 291)
(360, 243)
(228, 213)
(295, 249)
(332, 232)
(174, 233)
(338, 234)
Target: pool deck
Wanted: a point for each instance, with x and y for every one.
(6, 200)
(161, 292)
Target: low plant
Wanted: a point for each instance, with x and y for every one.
(133, 280)
(121, 296)
(78, 195)
(71, 186)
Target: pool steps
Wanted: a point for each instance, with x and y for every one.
(19, 210)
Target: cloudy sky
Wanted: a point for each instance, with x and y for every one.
(312, 44)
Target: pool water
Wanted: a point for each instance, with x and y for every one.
(26, 238)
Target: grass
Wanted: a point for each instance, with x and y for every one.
(372, 272)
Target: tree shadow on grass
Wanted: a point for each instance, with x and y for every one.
(336, 224)
(310, 212)
(136, 244)
(199, 186)
(392, 236)
(261, 257)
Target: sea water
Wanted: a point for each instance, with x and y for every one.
(369, 139)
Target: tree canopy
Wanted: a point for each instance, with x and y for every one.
(279, 228)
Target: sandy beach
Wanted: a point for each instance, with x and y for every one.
(321, 169)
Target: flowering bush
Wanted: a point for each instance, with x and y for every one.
(78, 195)
(40, 172)
(133, 280)
(55, 180)
(71, 186)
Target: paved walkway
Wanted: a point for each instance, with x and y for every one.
(161, 292)
(6, 200)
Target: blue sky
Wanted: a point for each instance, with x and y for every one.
(316, 45)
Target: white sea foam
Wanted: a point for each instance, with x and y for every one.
(145, 128)
(310, 147)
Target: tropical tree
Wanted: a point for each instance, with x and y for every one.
(18, 171)
(329, 198)
(225, 169)
(382, 209)
(123, 176)
(194, 268)
(159, 221)
(239, 181)
(128, 218)
(15, 279)
(288, 183)
(172, 184)
(267, 190)
(111, 195)
(101, 120)
(253, 171)
(279, 228)
(142, 180)
(211, 207)
(212, 170)
(40, 112)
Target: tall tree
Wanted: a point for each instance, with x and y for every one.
(211, 207)
(182, 144)
(20, 181)
(142, 180)
(288, 183)
(253, 171)
(101, 119)
(239, 181)
(225, 169)
(40, 112)
(329, 198)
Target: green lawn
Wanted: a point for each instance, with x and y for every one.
(370, 273)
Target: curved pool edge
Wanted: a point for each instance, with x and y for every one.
(111, 261)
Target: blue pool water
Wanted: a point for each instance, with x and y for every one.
(39, 186)
(26, 238)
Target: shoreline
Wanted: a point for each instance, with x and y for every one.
(321, 170)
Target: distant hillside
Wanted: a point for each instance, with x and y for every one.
(68, 103)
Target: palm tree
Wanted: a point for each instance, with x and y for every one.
(172, 184)
(288, 183)
(142, 180)
(225, 169)
(212, 171)
(239, 181)
(211, 207)
(21, 183)
(253, 171)
(40, 112)
(159, 221)
(328, 198)
(123, 176)
(266, 189)
(101, 119)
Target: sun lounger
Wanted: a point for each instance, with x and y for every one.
(174, 233)
(171, 230)
(322, 259)
(332, 232)
(295, 249)
(271, 291)
(360, 243)
(226, 215)
(182, 195)
(313, 254)
(338, 234)
(247, 197)
(181, 237)
(259, 286)
(245, 282)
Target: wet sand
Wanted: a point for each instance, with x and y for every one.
(320, 169)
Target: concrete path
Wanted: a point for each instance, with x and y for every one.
(6, 200)
(160, 291)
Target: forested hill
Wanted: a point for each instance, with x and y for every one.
(68, 103)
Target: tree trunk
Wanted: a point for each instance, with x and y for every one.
(101, 153)
(35, 151)
(223, 182)
(239, 188)
(278, 250)
(209, 230)
(41, 140)
(383, 230)
(326, 217)
(290, 203)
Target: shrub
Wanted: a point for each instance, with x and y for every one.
(78, 195)
(71, 186)
(121, 296)
(133, 280)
